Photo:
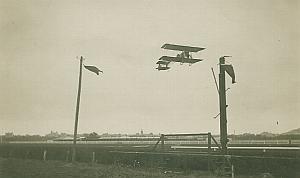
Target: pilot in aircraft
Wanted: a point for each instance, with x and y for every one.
(184, 54)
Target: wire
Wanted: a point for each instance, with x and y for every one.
(212, 69)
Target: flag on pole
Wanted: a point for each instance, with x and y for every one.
(230, 71)
(93, 69)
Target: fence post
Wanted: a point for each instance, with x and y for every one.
(68, 155)
(45, 155)
(163, 142)
(209, 150)
(93, 158)
(232, 171)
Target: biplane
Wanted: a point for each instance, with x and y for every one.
(184, 57)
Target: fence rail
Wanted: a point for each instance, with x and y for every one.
(171, 142)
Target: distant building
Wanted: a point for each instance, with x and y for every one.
(52, 134)
(9, 134)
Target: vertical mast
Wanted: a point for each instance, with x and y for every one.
(222, 102)
(77, 111)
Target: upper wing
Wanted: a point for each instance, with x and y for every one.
(181, 48)
(163, 62)
(179, 59)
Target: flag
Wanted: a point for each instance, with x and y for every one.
(93, 69)
(230, 71)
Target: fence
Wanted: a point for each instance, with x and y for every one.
(144, 157)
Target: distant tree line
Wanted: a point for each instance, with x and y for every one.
(8, 137)
(23, 138)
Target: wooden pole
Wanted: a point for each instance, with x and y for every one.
(77, 111)
(232, 171)
(163, 142)
(93, 157)
(209, 141)
(209, 151)
(67, 156)
(45, 155)
(222, 102)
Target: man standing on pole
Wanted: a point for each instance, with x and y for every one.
(92, 69)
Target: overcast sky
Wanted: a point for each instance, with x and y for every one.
(40, 40)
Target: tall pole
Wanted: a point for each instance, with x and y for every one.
(222, 102)
(77, 111)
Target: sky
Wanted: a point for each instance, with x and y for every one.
(40, 42)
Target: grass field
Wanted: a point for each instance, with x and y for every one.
(24, 160)
(20, 168)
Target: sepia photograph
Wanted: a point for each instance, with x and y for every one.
(149, 89)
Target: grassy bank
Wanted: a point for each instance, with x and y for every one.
(20, 168)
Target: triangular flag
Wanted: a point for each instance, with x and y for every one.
(93, 69)
(230, 71)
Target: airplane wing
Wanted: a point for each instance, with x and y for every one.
(191, 61)
(179, 59)
(163, 62)
(162, 68)
(170, 59)
(181, 48)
